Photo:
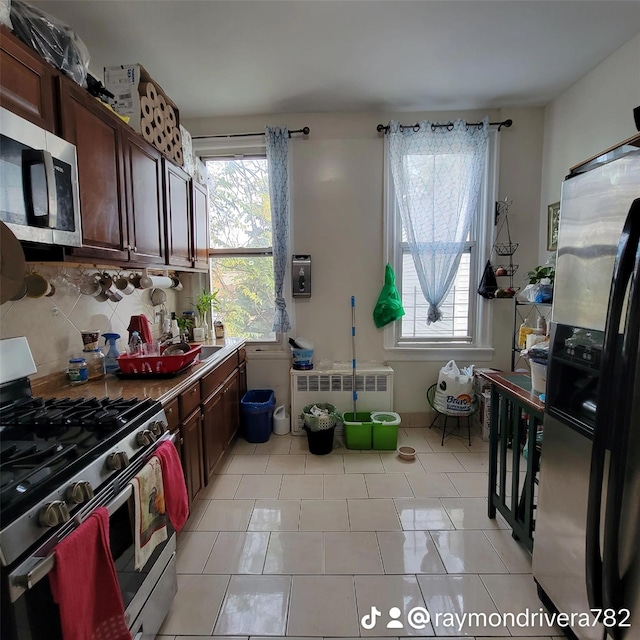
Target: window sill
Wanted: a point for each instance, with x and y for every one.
(275, 352)
(440, 354)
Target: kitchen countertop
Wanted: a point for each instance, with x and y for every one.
(57, 385)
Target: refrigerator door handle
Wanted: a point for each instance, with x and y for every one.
(613, 592)
(607, 412)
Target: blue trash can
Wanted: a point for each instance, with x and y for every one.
(257, 408)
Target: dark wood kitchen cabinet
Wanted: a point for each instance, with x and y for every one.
(178, 216)
(200, 208)
(192, 458)
(191, 431)
(97, 135)
(214, 433)
(26, 82)
(145, 200)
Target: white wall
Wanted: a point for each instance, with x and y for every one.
(337, 204)
(52, 325)
(593, 115)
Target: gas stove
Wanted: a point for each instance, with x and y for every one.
(55, 455)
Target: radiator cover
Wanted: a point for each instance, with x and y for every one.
(374, 385)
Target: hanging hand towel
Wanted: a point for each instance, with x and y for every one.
(85, 585)
(149, 509)
(175, 490)
(389, 306)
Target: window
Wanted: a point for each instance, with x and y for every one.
(466, 316)
(241, 256)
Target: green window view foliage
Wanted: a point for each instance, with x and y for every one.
(242, 261)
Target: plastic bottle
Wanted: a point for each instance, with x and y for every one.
(541, 324)
(111, 359)
(135, 344)
(95, 363)
(525, 330)
(175, 329)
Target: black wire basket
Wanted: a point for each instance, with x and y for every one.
(506, 249)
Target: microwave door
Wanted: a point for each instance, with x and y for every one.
(40, 199)
(67, 230)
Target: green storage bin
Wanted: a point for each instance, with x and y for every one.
(357, 430)
(385, 430)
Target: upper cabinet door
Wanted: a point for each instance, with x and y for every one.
(200, 226)
(96, 133)
(145, 198)
(26, 82)
(179, 220)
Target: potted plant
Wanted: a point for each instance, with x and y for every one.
(206, 301)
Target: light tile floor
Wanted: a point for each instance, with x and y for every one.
(283, 543)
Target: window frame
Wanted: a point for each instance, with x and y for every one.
(479, 347)
(249, 147)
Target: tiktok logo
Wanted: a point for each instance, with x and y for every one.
(369, 621)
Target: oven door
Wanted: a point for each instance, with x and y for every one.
(28, 609)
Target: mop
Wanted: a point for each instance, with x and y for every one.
(353, 352)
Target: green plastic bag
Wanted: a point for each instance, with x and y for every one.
(389, 306)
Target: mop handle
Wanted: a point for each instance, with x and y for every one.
(353, 352)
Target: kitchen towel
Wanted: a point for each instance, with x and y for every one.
(175, 490)
(141, 325)
(85, 585)
(148, 505)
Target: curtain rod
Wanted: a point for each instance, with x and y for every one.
(304, 131)
(449, 125)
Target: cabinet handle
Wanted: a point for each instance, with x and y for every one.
(169, 411)
(181, 441)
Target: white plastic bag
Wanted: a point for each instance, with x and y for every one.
(454, 393)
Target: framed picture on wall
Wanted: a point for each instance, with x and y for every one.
(553, 217)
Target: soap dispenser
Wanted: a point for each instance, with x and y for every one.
(111, 359)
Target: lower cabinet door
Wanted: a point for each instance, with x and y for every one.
(192, 454)
(232, 407)
(214, 431)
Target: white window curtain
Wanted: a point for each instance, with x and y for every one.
(277, 139)
(437, 174)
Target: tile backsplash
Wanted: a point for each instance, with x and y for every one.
(52, 325)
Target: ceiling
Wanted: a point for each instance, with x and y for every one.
(237, 57)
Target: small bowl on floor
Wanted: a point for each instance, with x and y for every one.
(407, 453)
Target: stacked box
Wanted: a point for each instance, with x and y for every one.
(150, 111)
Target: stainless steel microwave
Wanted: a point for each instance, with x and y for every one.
(39, 198)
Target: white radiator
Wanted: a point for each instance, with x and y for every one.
(374, 385)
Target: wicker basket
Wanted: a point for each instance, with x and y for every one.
(320, 423)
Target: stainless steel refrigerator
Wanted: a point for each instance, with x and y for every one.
(586, 552)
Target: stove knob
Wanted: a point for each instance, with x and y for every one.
(79, 492)
(158, 428)
(54, 513)
(145, 438)
(118, 460)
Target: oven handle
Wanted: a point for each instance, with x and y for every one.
(32, 570)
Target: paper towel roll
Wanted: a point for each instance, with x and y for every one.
(177, 156)
(168, 129)
(177, 136)
(146, 108)
(149, 90)
(158, 119)
(171, 115)
(158, 140)
(168, 147)
(162, 104)
(160, 282)
(148, 133)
